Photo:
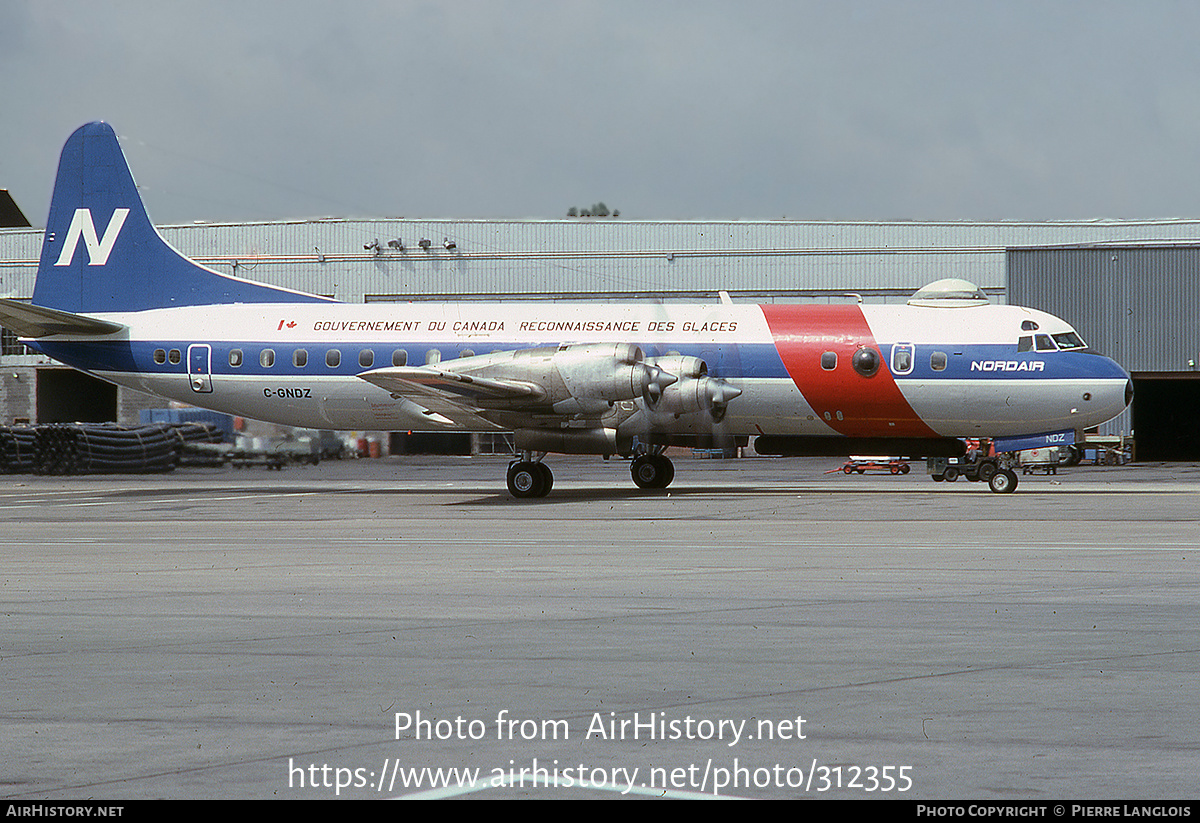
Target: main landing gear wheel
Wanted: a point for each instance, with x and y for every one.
(1004, 481)
(529, 478)
(652, 471)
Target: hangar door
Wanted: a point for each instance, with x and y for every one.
(1166, 415)
(69, 396)
(1135, 303)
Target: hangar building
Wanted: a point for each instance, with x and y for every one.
(1129, 287)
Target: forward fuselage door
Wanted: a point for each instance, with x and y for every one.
(200, 367)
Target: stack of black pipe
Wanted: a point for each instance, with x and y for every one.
(104, 448)
(197, 433)
(99, 448)
(18, 449)
(196, 444)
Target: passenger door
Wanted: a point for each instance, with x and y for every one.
(200, 367)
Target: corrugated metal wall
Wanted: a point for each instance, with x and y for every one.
(1136, 304)
(611, 259)
(592, 259)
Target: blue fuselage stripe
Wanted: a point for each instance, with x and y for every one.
(729, 361)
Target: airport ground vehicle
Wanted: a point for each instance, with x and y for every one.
(992, 470)
(876, 465)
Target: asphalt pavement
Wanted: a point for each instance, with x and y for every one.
(759, 629)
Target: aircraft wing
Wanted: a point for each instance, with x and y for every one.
(443, 412)
(447, 397)
(550, 383)
(427, 381)
(28, 320)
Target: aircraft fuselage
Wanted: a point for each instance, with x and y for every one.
(114, 299)
(938, 372)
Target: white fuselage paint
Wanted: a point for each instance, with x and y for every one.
(735, 341)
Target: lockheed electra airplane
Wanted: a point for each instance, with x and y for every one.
(113, 299)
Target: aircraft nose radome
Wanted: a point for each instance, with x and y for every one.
(1108, 369)
(1120, 389)
(1128, 382)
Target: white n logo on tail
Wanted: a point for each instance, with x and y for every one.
(98, 249)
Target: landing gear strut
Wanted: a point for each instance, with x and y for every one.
(652, 471)
(529, 478)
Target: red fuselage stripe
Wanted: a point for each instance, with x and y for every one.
(850, 403)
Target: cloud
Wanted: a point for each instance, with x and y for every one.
(666, 110)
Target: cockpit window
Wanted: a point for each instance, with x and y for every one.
(1044, 343)
(1069, 340)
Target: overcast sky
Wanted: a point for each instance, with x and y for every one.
(751, 109)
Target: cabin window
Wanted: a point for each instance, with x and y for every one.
(433, 357)
(266, 358)
(467, 353)
(829, 360)
(235, 357)
(333, 358)
(365, 358)
(937, 361)
(300, 358)
(399, 357)
(175, 356)
(160, 356)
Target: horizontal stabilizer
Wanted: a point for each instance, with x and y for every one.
(27, 320)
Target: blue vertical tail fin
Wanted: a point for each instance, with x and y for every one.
(101, 253)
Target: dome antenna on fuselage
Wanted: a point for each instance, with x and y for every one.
(950, 293)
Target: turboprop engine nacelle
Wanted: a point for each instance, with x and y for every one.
(694, 391)
(588, 378)
(608, 372)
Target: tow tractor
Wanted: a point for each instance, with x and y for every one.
(980, 463)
